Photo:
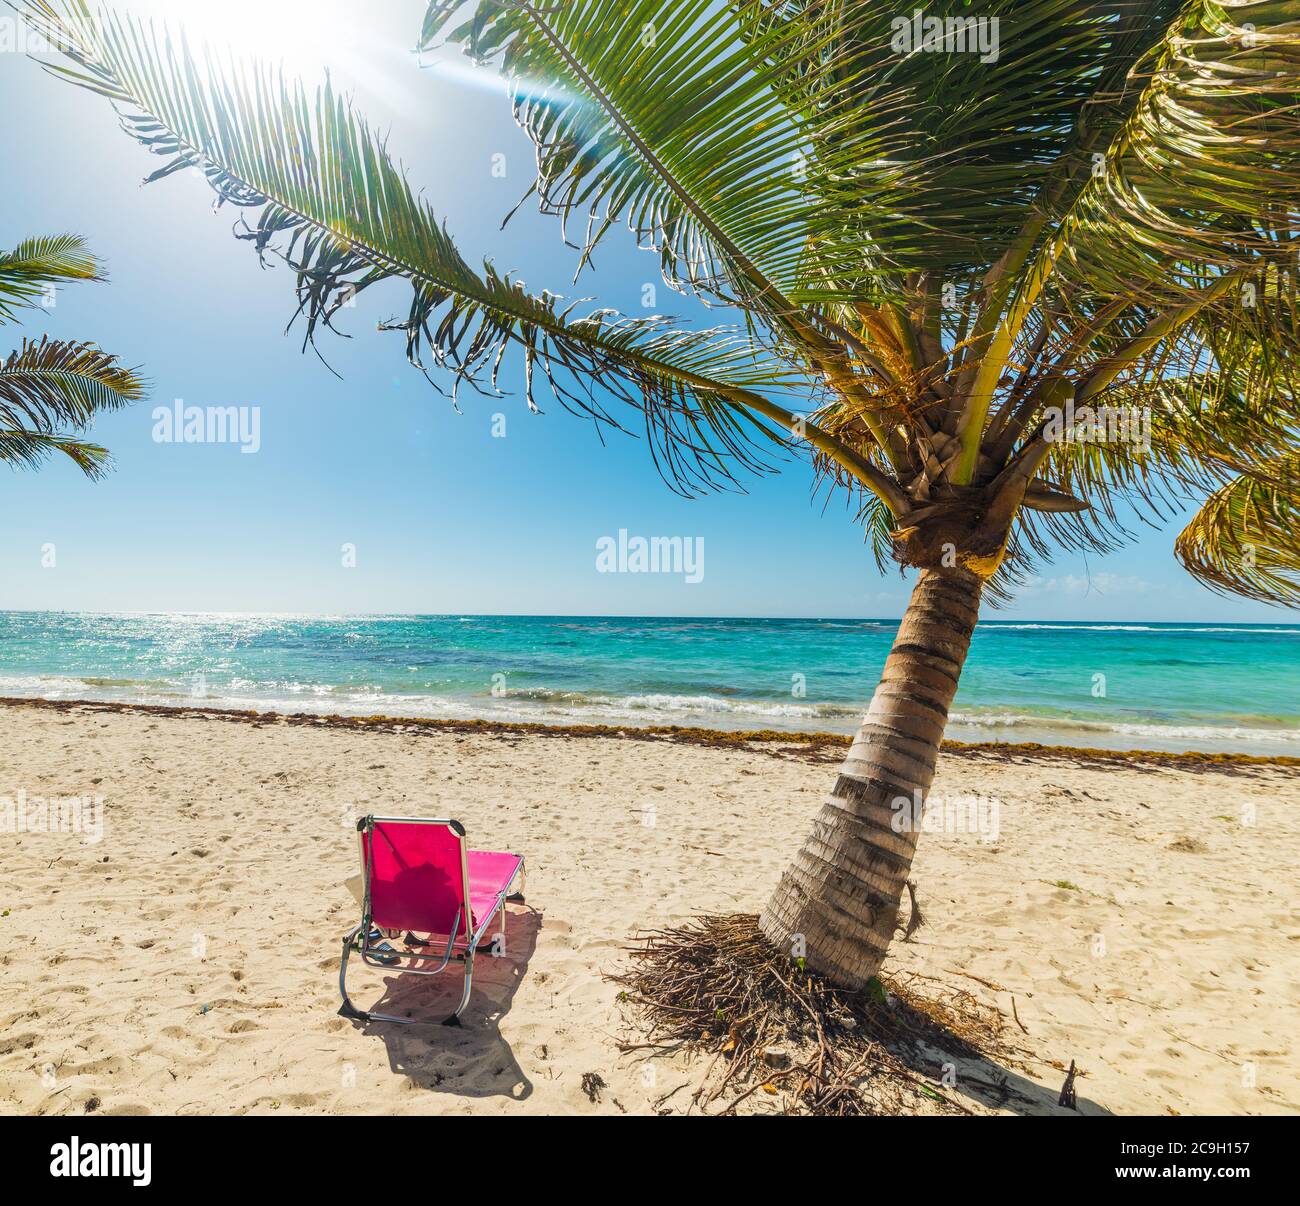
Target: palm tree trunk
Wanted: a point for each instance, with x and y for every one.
(838, 901)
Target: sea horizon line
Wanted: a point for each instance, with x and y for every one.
(593, 615)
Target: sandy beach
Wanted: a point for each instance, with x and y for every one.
(1141, 916)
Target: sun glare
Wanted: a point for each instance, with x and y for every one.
(367, 48)
(304, 36)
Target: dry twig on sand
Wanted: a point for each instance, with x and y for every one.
(774, 1028)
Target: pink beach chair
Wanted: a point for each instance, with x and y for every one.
(418, 877)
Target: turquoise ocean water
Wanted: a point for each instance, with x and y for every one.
(1181, 686)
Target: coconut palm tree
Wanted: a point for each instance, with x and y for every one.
(1012, 281)
(51, 391)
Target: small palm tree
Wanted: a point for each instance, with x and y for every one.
(962, 253)
(51, 391)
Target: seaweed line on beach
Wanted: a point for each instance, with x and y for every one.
(799, 1044)
(819, 747)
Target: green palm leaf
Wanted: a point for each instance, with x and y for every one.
(958, 155)
(22, 448)
(1203, 175)
(29, 269)
(1188, 213)
(689, 120)
(56, 383)
(51, 390)
(1245, 540)
(696, 151)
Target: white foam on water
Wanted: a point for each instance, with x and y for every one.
(703, 710)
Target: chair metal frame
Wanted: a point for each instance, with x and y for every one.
(458, 949)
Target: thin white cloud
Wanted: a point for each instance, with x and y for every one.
(1079, 586)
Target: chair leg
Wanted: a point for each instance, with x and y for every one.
(388, 1017)
(348, 1008)
(454, 1020)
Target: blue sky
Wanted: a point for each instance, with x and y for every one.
(444, 516)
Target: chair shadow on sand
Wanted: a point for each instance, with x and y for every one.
(469, 1060)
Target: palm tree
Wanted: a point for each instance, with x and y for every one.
(960, 254)
(51, 391)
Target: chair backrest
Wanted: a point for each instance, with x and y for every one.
(416, 874)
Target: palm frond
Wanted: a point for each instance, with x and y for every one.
(1245, 539)
(55, 384)
(25, 449)
(666, 118)
(967, 147)
(1205, 174)
(1181, 439)
(1188, 218)
(27, 272)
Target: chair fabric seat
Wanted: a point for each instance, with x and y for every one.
(415, 880)
(489, 873)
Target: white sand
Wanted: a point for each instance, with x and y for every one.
(1168, 974)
